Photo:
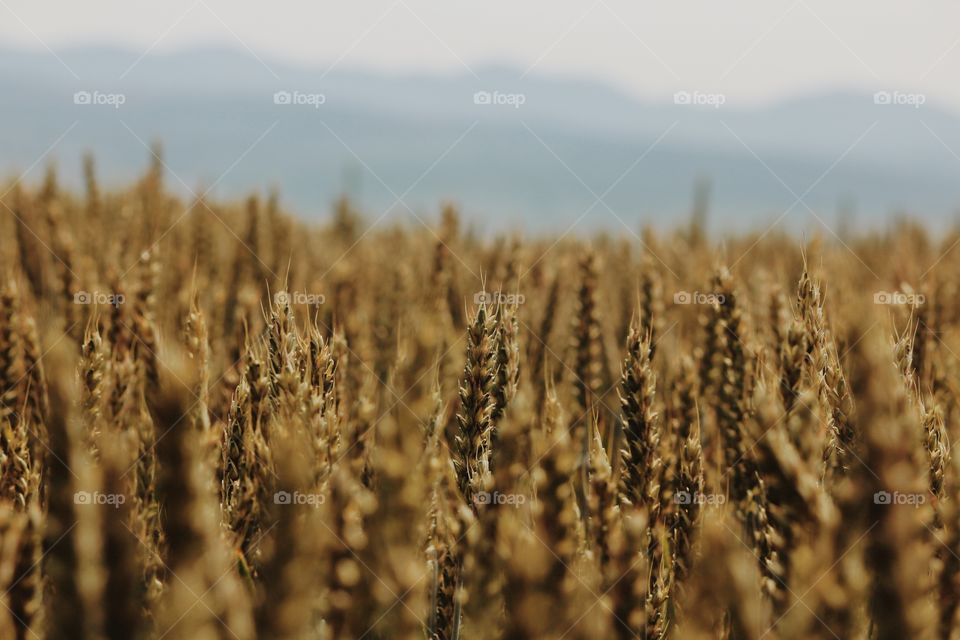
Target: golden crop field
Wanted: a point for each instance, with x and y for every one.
(220, 421)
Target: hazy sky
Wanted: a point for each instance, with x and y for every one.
(751, 50)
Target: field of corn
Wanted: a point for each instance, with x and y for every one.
(221, 422)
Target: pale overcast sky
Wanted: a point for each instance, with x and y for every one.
(750, 50)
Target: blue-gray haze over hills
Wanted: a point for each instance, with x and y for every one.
(574, 151)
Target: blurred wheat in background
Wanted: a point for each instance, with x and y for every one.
(221, 422)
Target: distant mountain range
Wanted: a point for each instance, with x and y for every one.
(535, 152)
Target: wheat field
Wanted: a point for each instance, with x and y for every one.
(219, 421)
